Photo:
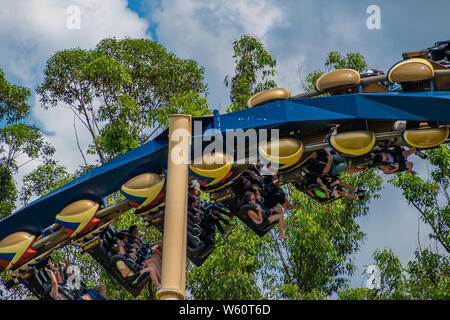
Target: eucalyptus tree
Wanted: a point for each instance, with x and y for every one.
(119, 90)
(254, 67)
(334, 61)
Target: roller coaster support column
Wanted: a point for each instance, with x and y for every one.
(173, 282)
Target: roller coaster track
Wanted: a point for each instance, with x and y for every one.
(306, 117)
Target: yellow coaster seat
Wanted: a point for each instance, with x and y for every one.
(425, 138)
(144, 189)
(16, 248)
(236, 171)
(353, 143)
(268, 96)
(212, 168)
(78, 217)
(281, 154)
(411, 70)
(337, 79)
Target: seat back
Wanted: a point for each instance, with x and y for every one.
(260, 229)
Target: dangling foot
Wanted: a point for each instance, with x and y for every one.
(283, 236)
(291, 207)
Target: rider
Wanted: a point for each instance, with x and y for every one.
(265, 188)
(146, 267)
(323, 169)
(55, 293)
(256, 215)
(98, 293)
(394, 160)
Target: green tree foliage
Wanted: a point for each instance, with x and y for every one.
(21, 140)
(231, 271)
(13, 107)
(187, 103)
(119, 90)
(18, 142)
(316, 260)
(66, 81)
(123, 92)
(335, 61)
(392, 275)
(426, 277)
(8, 192)
(390, 284)
(430, 197)
(314, 263)
(43, 179)
(429, 276)
(13, 100)
(253, 72)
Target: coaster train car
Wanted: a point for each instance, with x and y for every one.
(414, 95)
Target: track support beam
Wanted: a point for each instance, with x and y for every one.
(173, 282)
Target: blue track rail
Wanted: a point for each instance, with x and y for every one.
(287, 114)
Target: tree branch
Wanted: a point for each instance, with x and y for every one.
(438, 237)
(285, 266)
(78, 142)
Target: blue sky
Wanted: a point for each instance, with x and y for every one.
(143, 8)
(299, 34)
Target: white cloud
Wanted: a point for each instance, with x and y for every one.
(59, 123)
(297, 33)
(205, 30)
(31, 31)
